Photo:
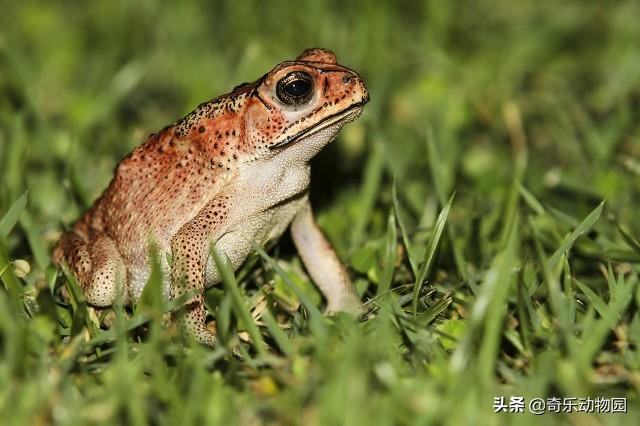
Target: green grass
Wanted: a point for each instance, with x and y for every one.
(526, 284)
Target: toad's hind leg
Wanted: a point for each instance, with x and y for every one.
(190, 251)
(97, 265)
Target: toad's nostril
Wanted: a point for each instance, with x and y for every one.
(346, 79)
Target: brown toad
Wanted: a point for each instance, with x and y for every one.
(233, 172)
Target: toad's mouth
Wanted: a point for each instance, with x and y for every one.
(346, 115)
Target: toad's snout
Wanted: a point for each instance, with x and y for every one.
(357, 87)
(348, 87)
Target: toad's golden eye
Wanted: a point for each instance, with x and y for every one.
(295, 88)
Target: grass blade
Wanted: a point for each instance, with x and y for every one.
(229, 280)
(438, 176)
(11, 217)
(430, 253)
(582, 228)
(7, 276)
(370, 189)
(434, 310)
(630, 239)
(390, 253)
(595, 336)
(403, 231)
(276, 332)
(531, 200)
(38, 247)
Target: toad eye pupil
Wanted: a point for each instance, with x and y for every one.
(295, 88)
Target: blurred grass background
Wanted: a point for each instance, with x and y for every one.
(524, 285)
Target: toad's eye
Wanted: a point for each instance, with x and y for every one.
(295, 88)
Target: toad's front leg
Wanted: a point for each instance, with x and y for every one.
(322, 263)
(190, 250)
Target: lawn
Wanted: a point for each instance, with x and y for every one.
(486, 205)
